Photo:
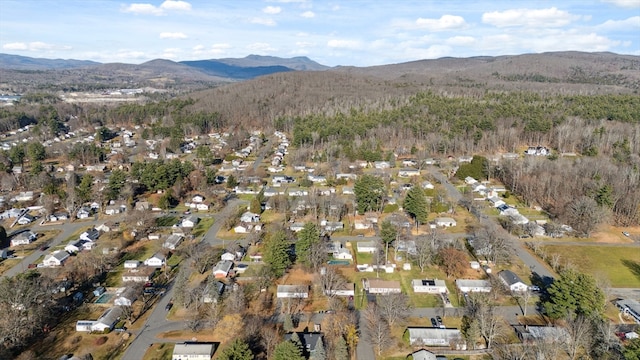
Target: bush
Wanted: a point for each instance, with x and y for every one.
(101, 340)
(76, 339)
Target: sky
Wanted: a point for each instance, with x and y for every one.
(331, 32)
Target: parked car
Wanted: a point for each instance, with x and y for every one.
(44, 247)
(434, 323)
(169, 306)
(626, 234)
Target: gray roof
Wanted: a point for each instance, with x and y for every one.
(630, 304)
(110, 316)
(472, 283)
(423, 355)
(510, 277)
(186, 349)
(223, 265)
(308, 340)
(433, 336)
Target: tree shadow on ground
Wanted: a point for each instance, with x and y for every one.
(634, 266)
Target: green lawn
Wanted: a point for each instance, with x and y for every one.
(162, 351)
(166, 220)
(203, 226)
(621, 265)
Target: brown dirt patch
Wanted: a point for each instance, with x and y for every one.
(297, 276)
(613, 234)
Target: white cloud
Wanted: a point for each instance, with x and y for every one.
(624, 3)
(308, 14)
(172, 35)
(630, 23)
(263, 21)
(303, 44)
(176, 5)
(144, 9)
(343, 44)
(149, 9)
(34, 46)
(290, 1)
(221, 46)
(445, 22)
(272, 10)
(551, 17)
(171, 52)
(261, 48)
(461, 40)
(198, 47)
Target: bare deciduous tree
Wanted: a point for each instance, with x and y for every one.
(394, 308)
(378, 329)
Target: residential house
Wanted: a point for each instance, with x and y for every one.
(342, 254)
(445, 221)
(26, 219)
(108, 319)
(222, 268)
(190, 221)
(24, 196)
(227, 256)
(408, 246)
(308, 340)
(127, 297)
(143, 206)
(408, 172)
(428, 336)
(249, 217)
(512, 281)
(381, 164)
(318, 179)
(465, 159)
(367, 246)
(74, 246)
(347, 176)
(131, 264)
(140, 275)
(470, 181)
(212, 292)
(377, 286)
(427, 185)
(429, 286)
(197, 199)
(106, 227)
(172, 241)
(362, 225)
(114, 209)
(496, 201)
(57, 258)
(348, 190)
(23, 238)
(90, 235)
(537, 151)
(202, 207)
(332, 225)
(83, 213)
(156, 260)
(629, 307)
(423, 355)
(541, 334)
(292, 291)
(347, 289)
(297, 226)
(58, 216)
(468, 285)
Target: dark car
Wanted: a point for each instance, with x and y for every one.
(434, 323)
(169, 306)
(44, 247)
(439, 319)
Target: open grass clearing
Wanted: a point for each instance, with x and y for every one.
(620, 265)
(203, 226)
(159, 351)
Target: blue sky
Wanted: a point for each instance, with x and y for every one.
(333, 32)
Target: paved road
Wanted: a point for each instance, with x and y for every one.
(68, 229)
(157, 321)
(531, 261)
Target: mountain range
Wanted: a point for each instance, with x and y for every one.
(222, 69)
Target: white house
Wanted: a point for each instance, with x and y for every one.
(193, 351)
(172, 242)
(190, 221)
(367, 247)
(445, 221)
(408, 172)
(197, 199)
(56, 258)
(26, 219)
(513, 281)
(74, 246)
(131, 264)
(24, 238)
(470, 181)
(222, 268)
(362, 225)
(127, 297)
(377, 286)
(114, 209)
(142, 275)
(297, 226)
(227, 256)
(202, 207)
(348, 289)
(292, 291)
(83, 213)
(342, 254)
(468, 285)
(108, 319)
(423, 354)
(428, 336)
(427, 185)
(429, 286)
(381, 164)
(249, 217)
(156, 260)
